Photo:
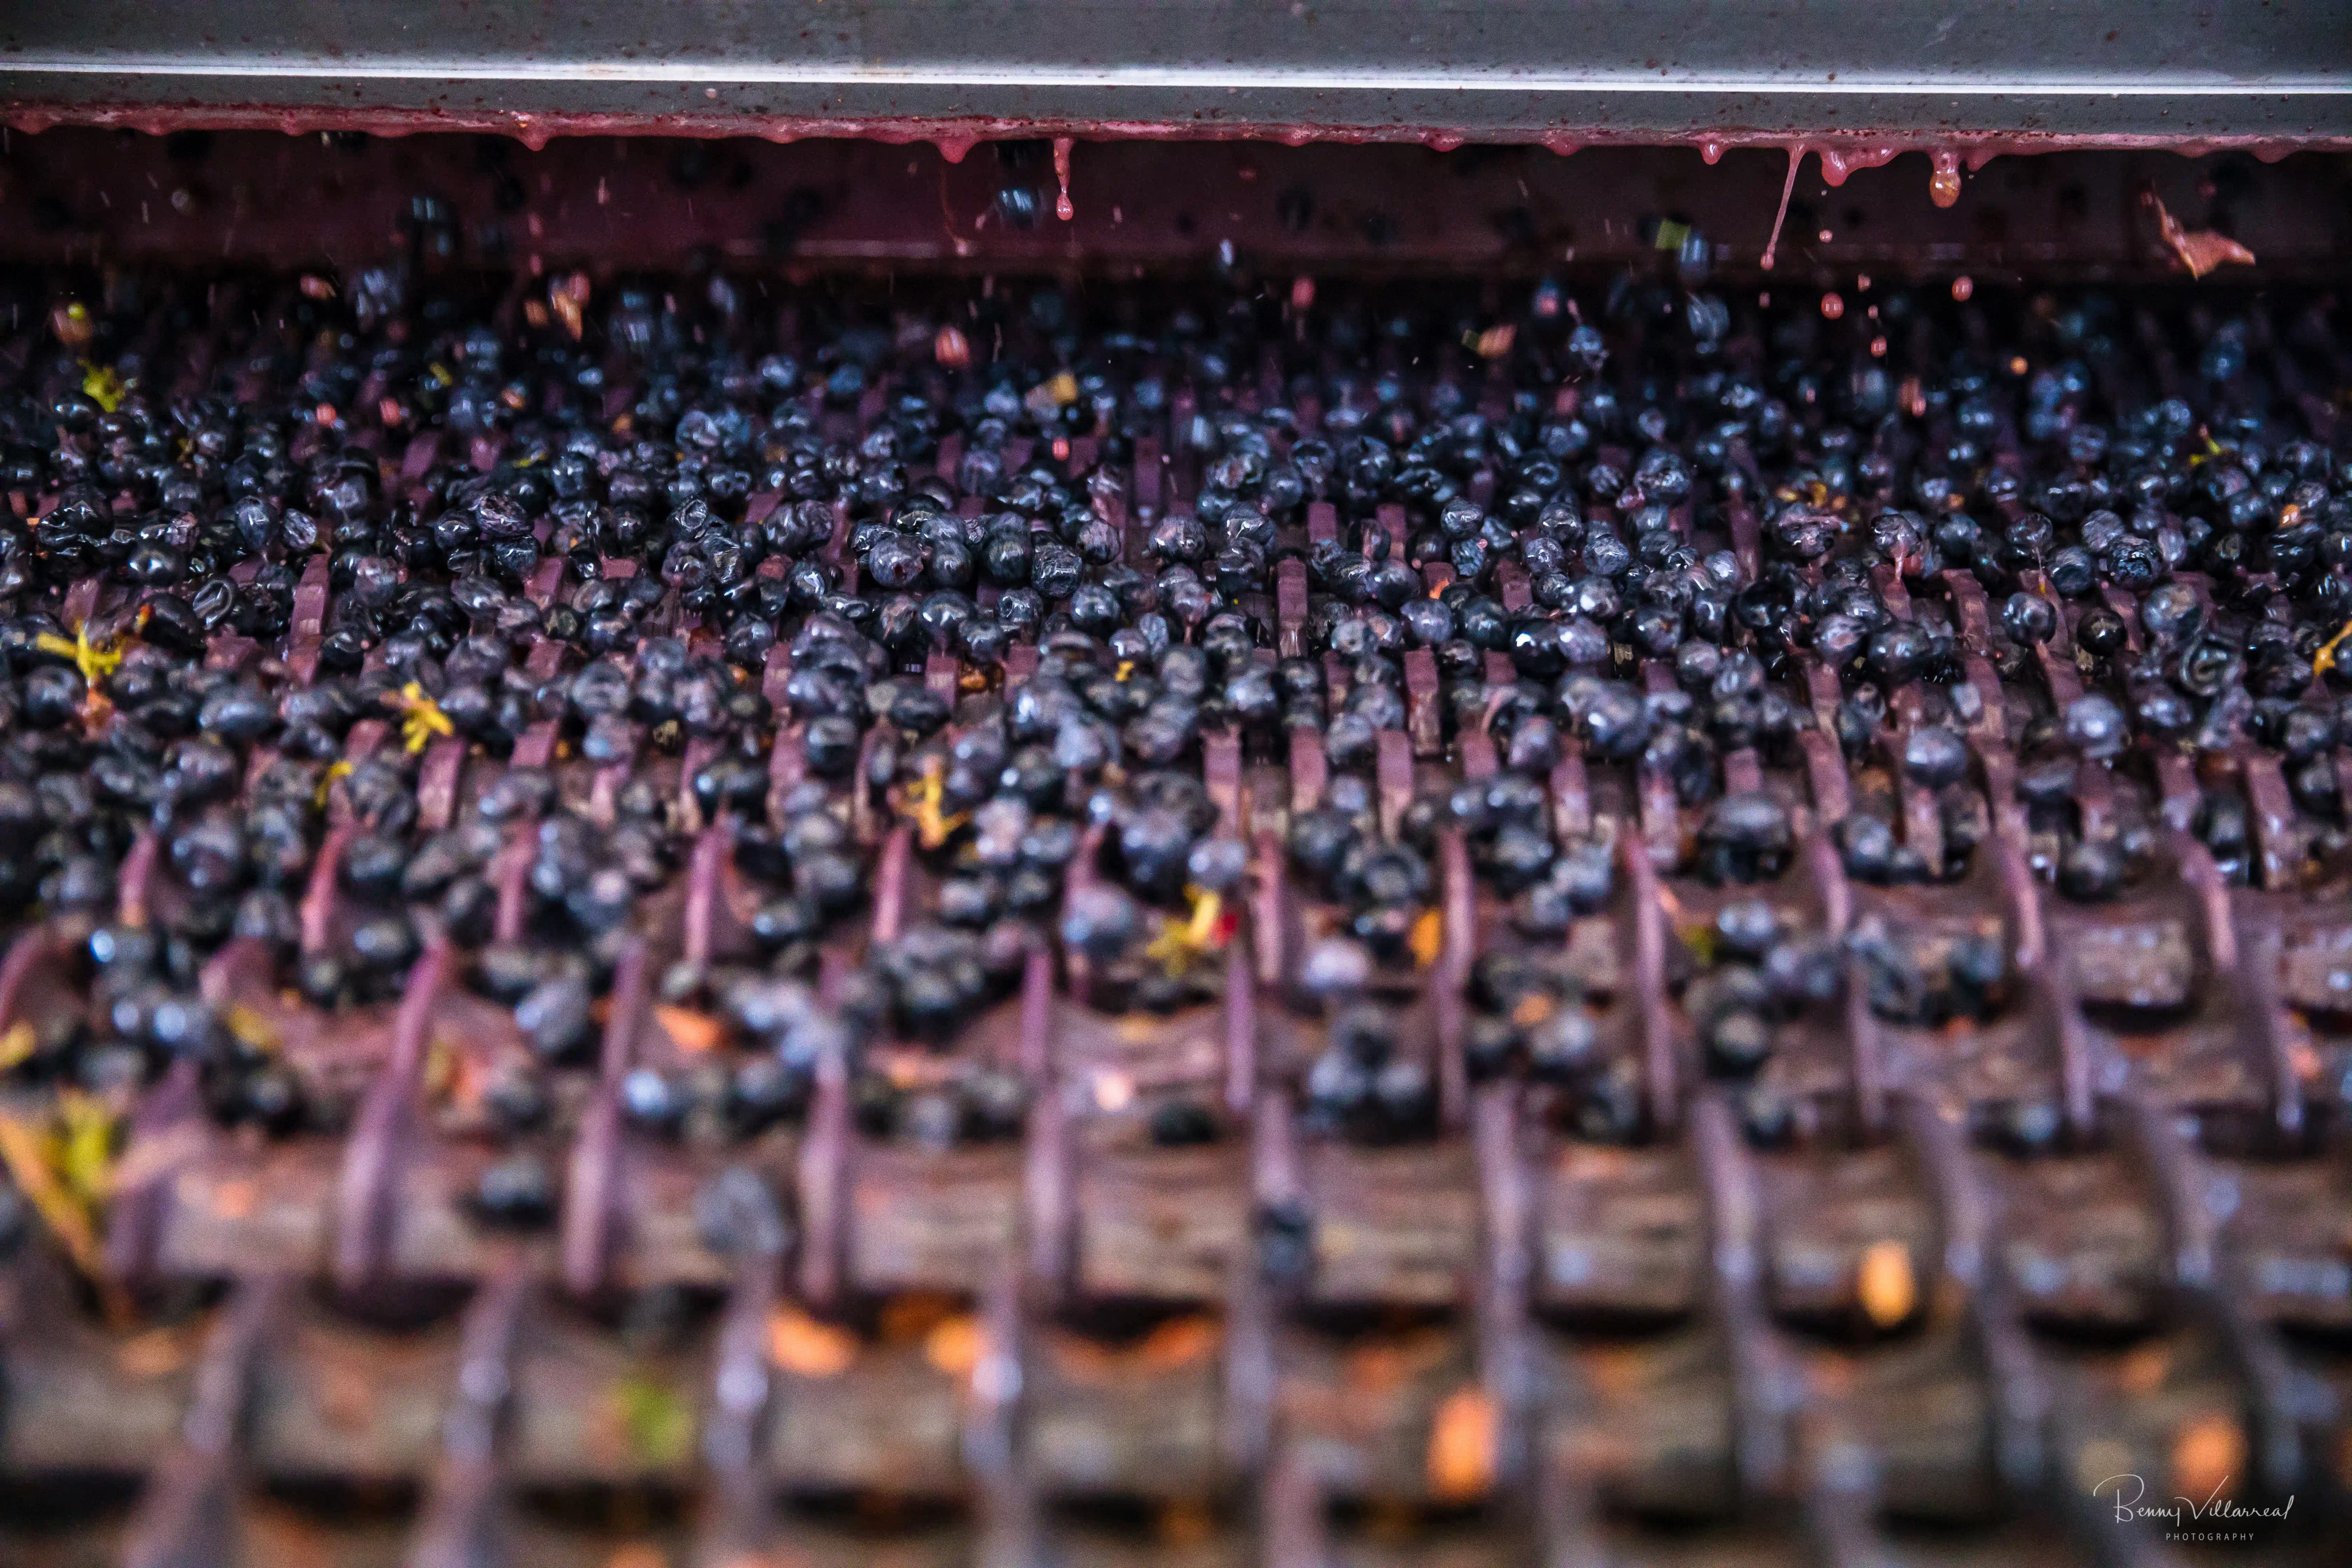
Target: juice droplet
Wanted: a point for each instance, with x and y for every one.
(1943, 184)
(1796, 156)
(1833, 305)
(1841, 159)
(953, 148)
(1962, 287)
(1711, 151)
(1063, 207)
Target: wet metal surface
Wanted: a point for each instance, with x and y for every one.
(1927, 73)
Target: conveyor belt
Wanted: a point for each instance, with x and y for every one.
(2034, 1180)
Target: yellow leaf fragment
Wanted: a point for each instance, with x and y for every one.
(2325, 659)
(801, 1345)
(96, 660)
(696, 1033)
(1462, 1447)
(953, 1346)
(251, 1028)
(1884, 1284)
(103, 386)
(1495, 342)
(919, 803)
(658, 1424)
(1204, 930)
(2207, 1453)
(1428, 939)
(64, 1169)
(421, 718)
(337, 769)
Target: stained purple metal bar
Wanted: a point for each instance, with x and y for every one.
(1923, 822)
(700, 751)
(1241, 1020)
(739, 1512)
(512, 873)
(1572, 802)
(309, 621)
(890, 884)
(1822, 690)
(2021, 896)
(1423, 720)
(2051, 986)
(457, 1523)
(1659, 805)
(2058, 1016)
(135, 1218)
(1290, 607)
(2277, 845)
(1505, 1334)
(1865, 1063)
(592, 1194)
(317, 912)
(1293, 1528)
(371, 1172)
(1049, 1215)
(1322, 522)
(1250, 1379)
(821, 1183)
(821, 1168)
(1220, 774)
(185, 1511)
(436, 783)
(1269, 932)
(80, 605)
(1840, 1508)
(1743, 772)
(2264, 1037)
(2018, 1397)
(2202, 1273)
(1394, 779)
(1747, 542)
(2249, 977)
(1825, 776)
(32, 967)
(1458, 951)
(1568, 1532)
(1276, 1179)
(604, 790)
(1310, 770)
(1760, 1437)
(1646, 989)
(1084, 865)
(711, 920)
(1009, 1526)
(135, 881)
(2176, 779)
(1475, 749)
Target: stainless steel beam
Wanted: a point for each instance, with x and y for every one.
(1910, 72)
